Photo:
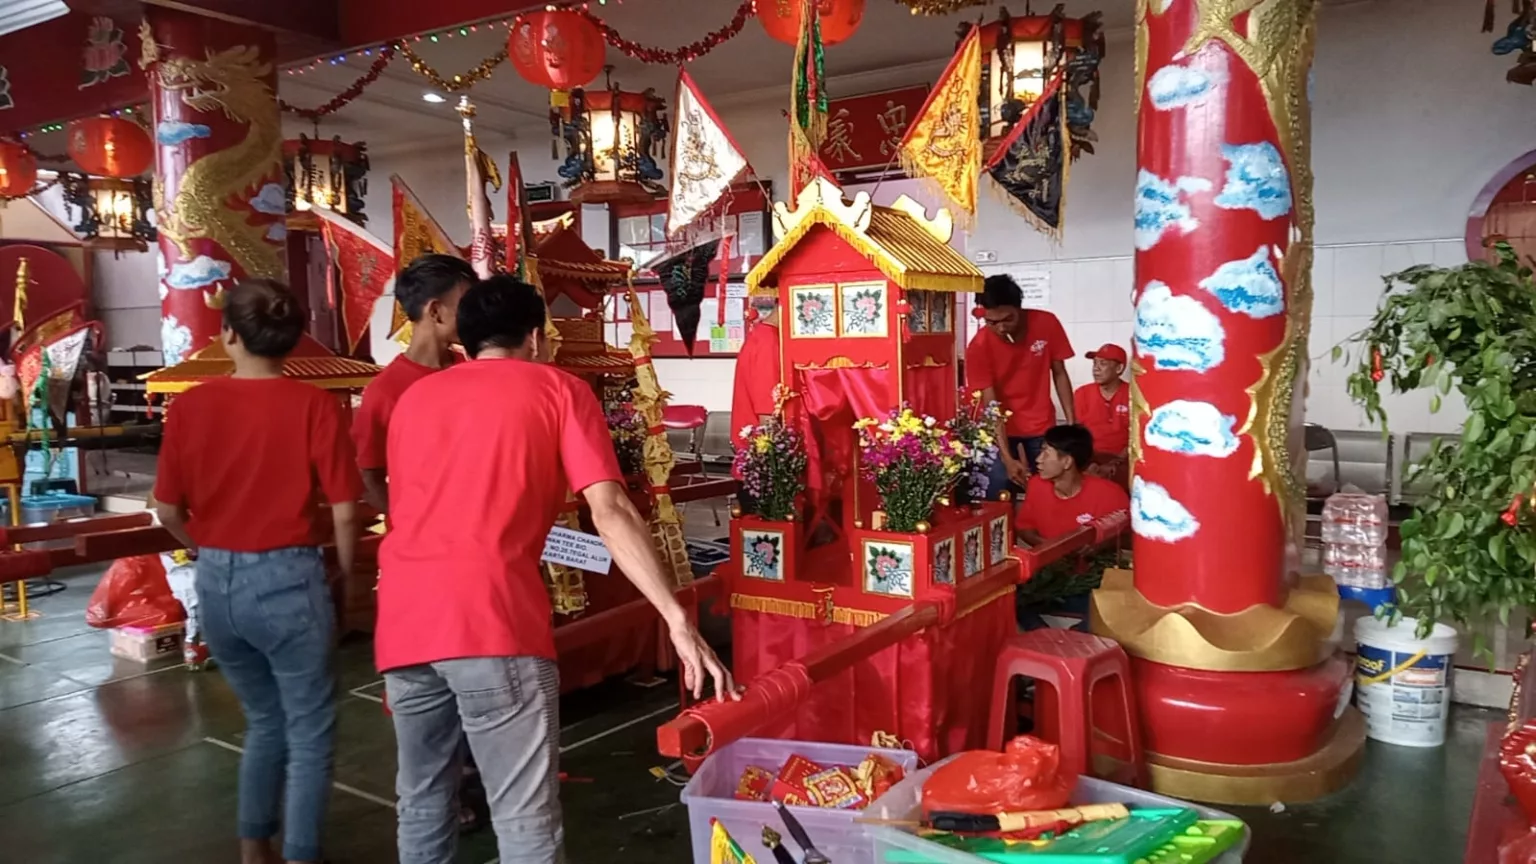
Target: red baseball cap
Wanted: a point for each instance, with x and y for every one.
(1109, 351)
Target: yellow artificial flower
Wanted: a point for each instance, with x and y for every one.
(761, 444)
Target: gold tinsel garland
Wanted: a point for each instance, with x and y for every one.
(478, 73)
(941, 7)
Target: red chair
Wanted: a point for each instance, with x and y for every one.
(1075, 713)
(686, 418)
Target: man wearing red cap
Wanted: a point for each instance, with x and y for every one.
(1104, 407)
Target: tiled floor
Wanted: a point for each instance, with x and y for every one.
(103, 761)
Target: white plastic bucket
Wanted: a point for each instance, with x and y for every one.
(1403, 684)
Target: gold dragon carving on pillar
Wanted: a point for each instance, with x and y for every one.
(650, 401)
(229, 81)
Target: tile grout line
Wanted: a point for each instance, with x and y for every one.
(340, 787)
(619, 728)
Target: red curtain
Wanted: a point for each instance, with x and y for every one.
(933, 690)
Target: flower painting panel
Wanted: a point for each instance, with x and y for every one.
(762, 555)
(813, 312)
(863, 309)
(971, 552)
(944, 562)
(997, 539)
(888, 568)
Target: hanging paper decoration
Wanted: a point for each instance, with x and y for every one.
(1031, 164)
(783, 19)
(705, 158)
(110, 146)
(683, 278)
(808, 105)
(361, 267)
(18, 169)
(944, 143)
(560, 49)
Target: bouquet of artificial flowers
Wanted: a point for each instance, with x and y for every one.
(975, 426)
(627, 428)
(771, 462)
(912, 460)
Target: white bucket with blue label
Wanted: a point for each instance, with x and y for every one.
(1402, 683)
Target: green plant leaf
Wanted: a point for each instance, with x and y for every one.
(1475, 427)
(1454, 526)
(1434, 404)
(1497, 548)
(1337, 353)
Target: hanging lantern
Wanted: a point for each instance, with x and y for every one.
(1024, 54)
(114, 212)
(110, 146)
(556, 48)
(18, 170)
(330, 175)
(613, 139)
(839, 18)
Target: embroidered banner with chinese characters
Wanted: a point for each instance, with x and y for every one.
(705, 158)
(944, 142)
(865, 131)
(362, 266)
(1031, 164)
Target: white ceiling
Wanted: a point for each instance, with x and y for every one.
(19, 14)
(391, 115)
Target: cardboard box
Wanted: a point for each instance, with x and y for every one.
(149, 644)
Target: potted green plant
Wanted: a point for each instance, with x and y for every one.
(1468, 551)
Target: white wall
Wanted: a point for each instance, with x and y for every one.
(1411, 117)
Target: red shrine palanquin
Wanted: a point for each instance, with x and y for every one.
(868, 300)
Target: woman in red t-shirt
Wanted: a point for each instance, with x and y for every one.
(243, 467)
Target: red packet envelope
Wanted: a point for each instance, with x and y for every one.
(754, 784)
(789, 787)
(835, 788)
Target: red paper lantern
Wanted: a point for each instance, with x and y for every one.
(839, 18)
(110, 146)
(556, 48)
(18, 170)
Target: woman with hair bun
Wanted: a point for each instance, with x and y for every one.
(244, 464)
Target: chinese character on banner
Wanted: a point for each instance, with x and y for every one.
(865, 131)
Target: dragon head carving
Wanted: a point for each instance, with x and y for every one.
(232, 81)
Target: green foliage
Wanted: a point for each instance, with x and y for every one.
(1473, 329)
(1071, 576)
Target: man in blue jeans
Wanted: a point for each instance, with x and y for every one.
(481, 457)
(1015, 359)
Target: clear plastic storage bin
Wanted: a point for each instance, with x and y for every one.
(711, 794)
(904, 803)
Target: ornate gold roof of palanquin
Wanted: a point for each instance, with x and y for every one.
(583, 350)
(310, 361)
(912, 250)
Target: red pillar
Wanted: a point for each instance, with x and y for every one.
(219, 183)
(1238, 690)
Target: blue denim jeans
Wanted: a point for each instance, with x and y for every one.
(997, 476)
(509, 709)
(270, 627)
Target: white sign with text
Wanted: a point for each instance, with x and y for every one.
(577, 549)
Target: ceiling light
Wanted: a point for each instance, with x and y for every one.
(434, 98)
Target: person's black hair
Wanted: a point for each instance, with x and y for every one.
(1073, 441)
(1000, 292)
(265, 315)
(500, 312)
(430, 277)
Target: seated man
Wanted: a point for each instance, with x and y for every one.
(1062, 498)
(1104, 409)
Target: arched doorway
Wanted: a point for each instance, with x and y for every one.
(1505, 210)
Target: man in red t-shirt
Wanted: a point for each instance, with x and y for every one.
(429, 291)
(1104, 409)
(481, 458)
(757, 371)
(1015, 359)
(1061, 498)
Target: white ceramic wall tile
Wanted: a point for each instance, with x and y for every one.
(1450, 253)
(1356, 279)
(1396, 257)
(1096, 291)
(1322, 282)
(1423, 253)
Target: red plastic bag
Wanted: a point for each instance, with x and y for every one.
(1024, 777)
(134, 593)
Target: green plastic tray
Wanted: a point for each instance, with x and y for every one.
(1202, 842)
(1121, 841)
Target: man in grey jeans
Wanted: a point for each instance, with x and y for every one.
(481, 456)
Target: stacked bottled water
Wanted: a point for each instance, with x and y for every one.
(1355, 540)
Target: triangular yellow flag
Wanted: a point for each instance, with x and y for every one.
(723, 849)
(944, 143)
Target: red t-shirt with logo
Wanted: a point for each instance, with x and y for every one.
(370, 425)
(252, 458)
(1020, 372)
(1049, 515)
(1108, 419)
(480, 458)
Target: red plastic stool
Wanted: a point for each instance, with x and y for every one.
(1072, 663)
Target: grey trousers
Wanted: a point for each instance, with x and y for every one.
(509, 710)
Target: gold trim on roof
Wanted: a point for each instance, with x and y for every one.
(316, 366)
(912, 250)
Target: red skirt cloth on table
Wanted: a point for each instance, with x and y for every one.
(931, 691)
